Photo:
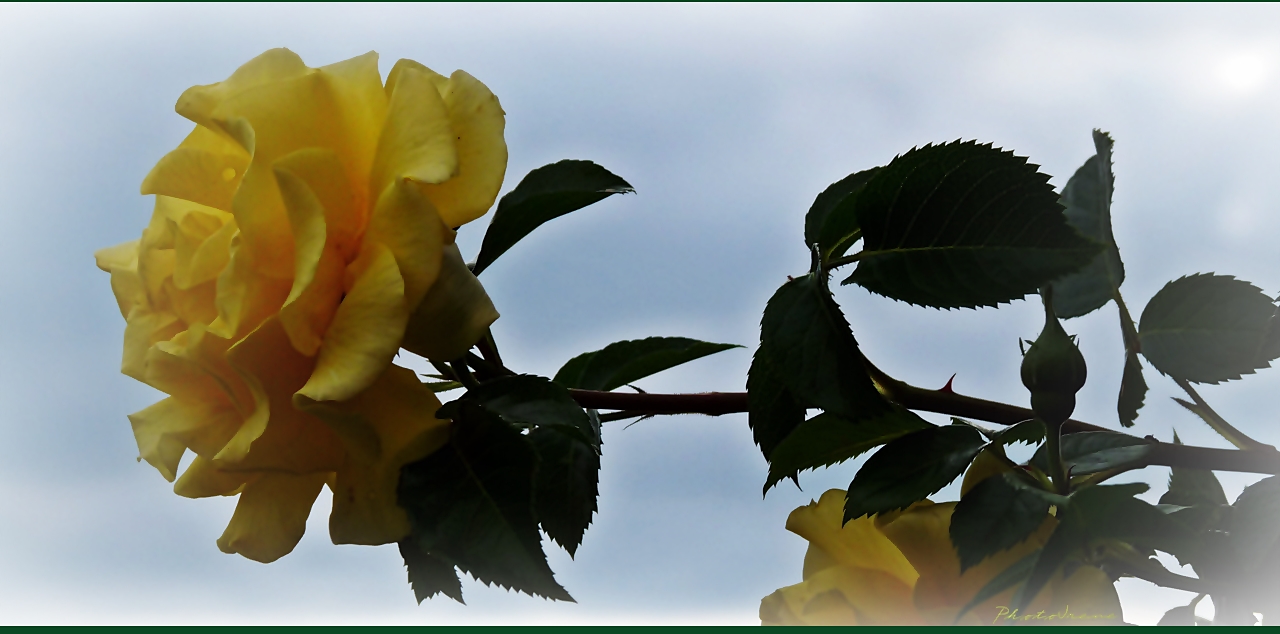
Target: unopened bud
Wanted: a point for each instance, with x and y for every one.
(1053, 370)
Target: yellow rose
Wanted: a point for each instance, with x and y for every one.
(302, 234)
(901, 569)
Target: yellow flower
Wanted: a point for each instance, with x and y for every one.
(900, 569)
(302, 234)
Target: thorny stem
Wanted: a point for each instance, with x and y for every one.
(1218, 423)
(937, 401)
(947, 402)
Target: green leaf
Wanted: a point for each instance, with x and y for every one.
(1087, 199)
(429, 576)
(1255, 522)
(963, 225)
(1207, 328)
(1133, 389)
(1029, 431)
(827, 439)
(1007, 578)
(531, 401)
(1193, 487)
(772, 411)
(623, 362)
(832, 223)
(470, 504)
(811, 349)
(566, 485)
(1093, 451)
(548, 192)
(993, 517)
(911, 468)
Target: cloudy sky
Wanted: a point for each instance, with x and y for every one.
(728, 120)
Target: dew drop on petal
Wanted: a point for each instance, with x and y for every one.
(228, 174)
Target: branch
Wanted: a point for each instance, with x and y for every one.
(709, 403)
(940, 402)
(947, 401)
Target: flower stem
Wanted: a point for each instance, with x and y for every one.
(1053, 445)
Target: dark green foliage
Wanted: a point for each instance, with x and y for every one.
(429, 576)
(548, 192)
(1087, 199)
(773, 412)
(963, 225)
(1255, 522)
(910, 468)
(531, 401)
(1193, 487)
(567, 442)
(811, 349)
(1028, 431)
(994, 516)
(566, 485)
(470, 504)
(1248, 559)
(827, 439)
(1093, 451)
(1207, 328)
(1133, 390)
(832, 222)
(623, 362)
(1100, 512)
(808, 358)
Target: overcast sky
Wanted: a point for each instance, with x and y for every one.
(728, 120)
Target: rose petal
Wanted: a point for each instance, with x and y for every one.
(198, 102)
(385, 427)
(245, 297)
(205, 168)
(314, 188)
(165, 430)
(271, 516)
(417, 141)
(361, 103)
(858, 544)
(276, 436)
(453, 316)
(478, 123)
(193, 366)
(366, 330)
(203, 479)
(405, 223)
(121, 261)
(842, 596)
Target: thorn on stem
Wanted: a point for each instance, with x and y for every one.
(946, 389)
